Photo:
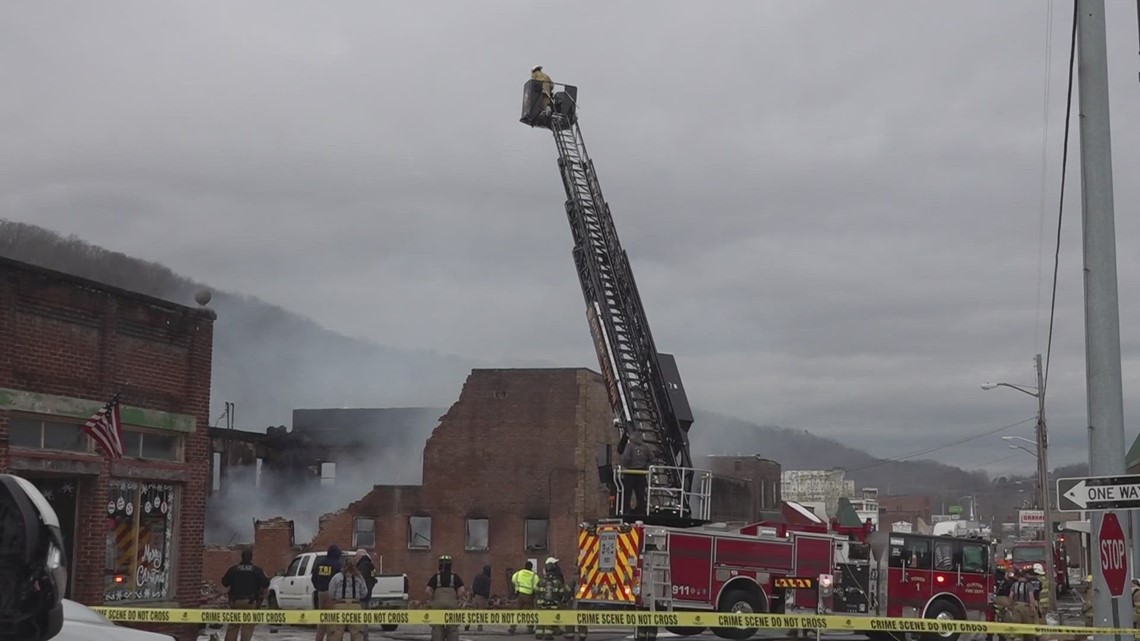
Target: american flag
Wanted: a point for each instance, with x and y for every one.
(106, 428)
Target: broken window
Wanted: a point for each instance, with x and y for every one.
(419, 532)
(478, 534)
(140, 532)
(328, 473)
(363, 532)
(536, 534)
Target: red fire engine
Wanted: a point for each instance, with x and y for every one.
(663, 553)
(717, 568)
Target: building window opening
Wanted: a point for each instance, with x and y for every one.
(140, 533)
(364, 532)
(419, 532)
(478, 534)
(216, 472)
(328, 473)
(536, 534)
(151, 445)
(38, 434)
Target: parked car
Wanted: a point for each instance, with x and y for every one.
(81, 623)
(293, 588)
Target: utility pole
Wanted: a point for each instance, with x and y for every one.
(1102, 311)
(1043, 479)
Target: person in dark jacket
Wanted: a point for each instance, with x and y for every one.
(248, 585)
(324, 570)
(367, 570)
(635, 458)
(480, 593)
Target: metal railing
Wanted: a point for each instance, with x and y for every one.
(690, 498)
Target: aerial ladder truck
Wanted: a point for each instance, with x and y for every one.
(644, 386)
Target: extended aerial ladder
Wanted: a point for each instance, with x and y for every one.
(644, 386)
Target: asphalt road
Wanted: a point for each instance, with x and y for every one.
(423, 633)
(1069, 607)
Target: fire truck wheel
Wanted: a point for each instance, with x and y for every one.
(942, 609)
(738, 601)
(690, 631)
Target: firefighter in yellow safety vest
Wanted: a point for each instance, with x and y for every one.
(525, 582)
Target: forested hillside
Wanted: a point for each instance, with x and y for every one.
(269, 360)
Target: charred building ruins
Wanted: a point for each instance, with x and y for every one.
(506, 475)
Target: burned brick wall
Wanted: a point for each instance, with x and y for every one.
(507, 476)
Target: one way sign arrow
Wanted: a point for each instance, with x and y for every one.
(1099, 493)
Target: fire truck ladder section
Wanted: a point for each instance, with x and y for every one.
(644, 386)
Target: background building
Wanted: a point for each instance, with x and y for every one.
(818, 489)
(133, 526)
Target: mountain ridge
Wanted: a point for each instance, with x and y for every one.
(269, 360)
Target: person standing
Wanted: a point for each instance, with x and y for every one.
(480, 594)
(368, 571)
(525, 582)
(247, 585)
(325, 569)
(445, 589)
(636, 458)
(345, 590)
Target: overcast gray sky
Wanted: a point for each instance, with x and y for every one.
(833, 209)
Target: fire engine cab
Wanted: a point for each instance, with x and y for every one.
(659, 550)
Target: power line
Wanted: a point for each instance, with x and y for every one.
(1061, 201)
(936, 448)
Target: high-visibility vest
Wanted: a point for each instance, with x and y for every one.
(525, 581)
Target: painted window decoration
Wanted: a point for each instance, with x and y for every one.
(140, 530)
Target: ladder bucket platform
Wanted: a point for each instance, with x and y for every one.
(539, 111)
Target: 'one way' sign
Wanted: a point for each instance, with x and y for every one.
(1099, 493)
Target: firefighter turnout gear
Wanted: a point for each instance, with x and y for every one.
(1136, 603)
(445, 588)
(551, 595)
(1087, 601)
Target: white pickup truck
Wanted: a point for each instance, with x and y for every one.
(293, 588)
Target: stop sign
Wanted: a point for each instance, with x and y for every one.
(1113, 555)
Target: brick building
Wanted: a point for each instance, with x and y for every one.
(507, 476)
(69, 345)
(759, 498)
(905, 508)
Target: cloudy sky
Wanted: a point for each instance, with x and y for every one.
(834, 210)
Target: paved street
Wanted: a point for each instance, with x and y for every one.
(422, 633)
(1069, 607)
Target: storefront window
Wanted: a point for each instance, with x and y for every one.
(140, 529)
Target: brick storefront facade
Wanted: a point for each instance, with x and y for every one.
(69, 345)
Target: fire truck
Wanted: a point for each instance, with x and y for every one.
(660, 551)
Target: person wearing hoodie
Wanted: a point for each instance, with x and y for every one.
(324, 570)
(480, 593)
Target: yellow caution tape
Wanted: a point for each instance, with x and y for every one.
(588, 618)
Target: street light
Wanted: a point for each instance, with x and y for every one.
(1024, 449)
(1042, 455)
(1020, 438)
